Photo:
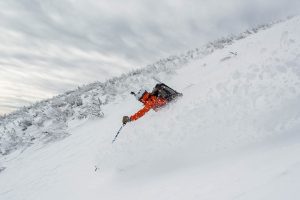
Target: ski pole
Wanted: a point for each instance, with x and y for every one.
(156, 79)
(118, 133)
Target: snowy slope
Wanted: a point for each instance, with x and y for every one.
(234, 135)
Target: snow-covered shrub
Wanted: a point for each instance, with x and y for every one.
(57, 103)
(25, 123)
(9, 140)
(92, 109)
(74, 100)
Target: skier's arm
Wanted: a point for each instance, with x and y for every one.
(141, 112)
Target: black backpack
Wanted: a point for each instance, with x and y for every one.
(164, 91)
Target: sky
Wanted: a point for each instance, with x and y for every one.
(50, 46)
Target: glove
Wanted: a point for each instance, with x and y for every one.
(126, 119)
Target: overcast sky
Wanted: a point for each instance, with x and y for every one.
(50, 46)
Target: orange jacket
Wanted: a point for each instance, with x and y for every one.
(149, 102)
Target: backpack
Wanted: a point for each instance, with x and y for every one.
(165, 92)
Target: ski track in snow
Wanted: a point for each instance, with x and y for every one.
(233, 135)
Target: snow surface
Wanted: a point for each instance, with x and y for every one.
(233, 135)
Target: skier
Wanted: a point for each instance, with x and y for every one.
(159, 97)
